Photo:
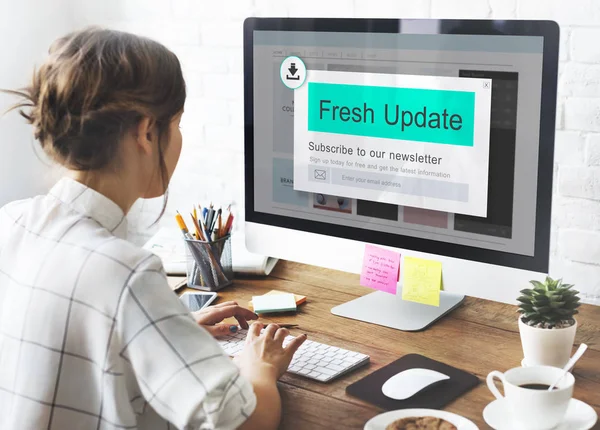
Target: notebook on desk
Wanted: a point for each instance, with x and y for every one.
(168, 244)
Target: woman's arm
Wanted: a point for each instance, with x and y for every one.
(267, 414)
(262, 362)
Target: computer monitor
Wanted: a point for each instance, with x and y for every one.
(434, 138)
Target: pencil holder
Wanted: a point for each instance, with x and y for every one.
(209, 264)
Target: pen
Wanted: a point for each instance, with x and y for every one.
(209, 218)
(204, 213)
(205, 230)
(280, 326)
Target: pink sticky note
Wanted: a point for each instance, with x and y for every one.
(380, 269)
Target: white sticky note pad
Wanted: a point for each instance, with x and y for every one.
(274, 303)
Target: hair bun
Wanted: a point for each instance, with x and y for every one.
(95, 85)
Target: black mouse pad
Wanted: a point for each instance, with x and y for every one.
(435, 396)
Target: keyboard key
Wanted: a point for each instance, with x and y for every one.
(337, 361)
(334, 367)
(325, 371)
(314, 374)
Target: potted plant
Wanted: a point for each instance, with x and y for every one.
(547, 324)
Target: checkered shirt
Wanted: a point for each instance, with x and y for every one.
(91, 336)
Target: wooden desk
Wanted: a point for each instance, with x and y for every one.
(479, 337)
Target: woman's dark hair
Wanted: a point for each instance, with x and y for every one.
(95, 86)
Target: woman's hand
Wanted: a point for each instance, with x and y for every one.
(264, 357)
(210, 318)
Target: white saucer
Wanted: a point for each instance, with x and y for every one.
(381, 421)
(579, 416)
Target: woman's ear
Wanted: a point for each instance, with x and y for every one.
(145, 135)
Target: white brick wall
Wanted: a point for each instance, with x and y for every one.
(593, 150)
(460, 9)
(584, 45)
(207, 36)
(569, 148)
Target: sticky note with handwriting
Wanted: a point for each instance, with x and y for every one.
(380, 269)
(422, 281)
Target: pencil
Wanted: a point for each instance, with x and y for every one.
(229, 225)
(224, 232)
(287, 325)
(197, 227)
(182, 226)
(219, 224)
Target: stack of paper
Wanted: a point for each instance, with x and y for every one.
(270, 303)
(299, 299)
(168, 244)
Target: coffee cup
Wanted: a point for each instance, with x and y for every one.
(527, 399)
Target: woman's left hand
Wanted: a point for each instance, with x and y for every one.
(210, 318)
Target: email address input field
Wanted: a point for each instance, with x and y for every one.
(453, 191)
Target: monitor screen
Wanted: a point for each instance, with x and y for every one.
(431, 140)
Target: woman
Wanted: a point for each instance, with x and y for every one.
(91, 336)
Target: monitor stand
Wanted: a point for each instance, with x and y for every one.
(391, 311)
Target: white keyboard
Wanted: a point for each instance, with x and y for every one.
(312, 360)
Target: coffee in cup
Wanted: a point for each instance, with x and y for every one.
(527, 398)
(536, 386)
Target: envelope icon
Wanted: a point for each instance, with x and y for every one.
(320, 174)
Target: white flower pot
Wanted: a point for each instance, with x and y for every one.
(547, 347)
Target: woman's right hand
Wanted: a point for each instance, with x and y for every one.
(264, 356)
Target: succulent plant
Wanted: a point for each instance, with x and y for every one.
(551, 304)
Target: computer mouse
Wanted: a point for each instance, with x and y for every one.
(409, 382)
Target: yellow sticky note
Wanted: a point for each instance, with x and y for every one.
(422, 281)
